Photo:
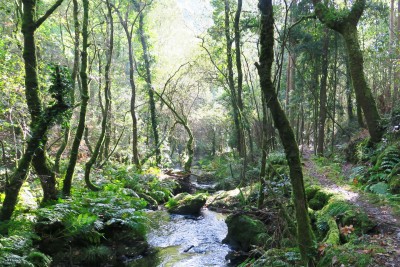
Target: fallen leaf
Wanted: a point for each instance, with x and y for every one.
(321, 248)
(347, 229)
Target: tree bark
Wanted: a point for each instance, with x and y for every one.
(40, 160)
(84, 102)
(305, 236)
(346, 24)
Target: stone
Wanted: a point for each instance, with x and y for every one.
(185, 203)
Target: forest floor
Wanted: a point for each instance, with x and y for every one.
(387, 231)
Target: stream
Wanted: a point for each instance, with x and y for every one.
(185, 240)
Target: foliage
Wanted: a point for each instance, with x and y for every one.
(279, 258)
(17, 251)
(344, 213)
(96, 254)
(354, 253)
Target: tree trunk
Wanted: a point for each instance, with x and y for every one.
(322, 95)
(363, 93)
(189, 148)
(305, 236)
(84, 102)
(152, 103)
(107, 90)
(39, 130)
(74, 75)
(232, 90)
(346, 24)
(396, 80)
(349, 94)
(40, 160)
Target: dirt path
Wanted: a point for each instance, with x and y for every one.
(387, 232)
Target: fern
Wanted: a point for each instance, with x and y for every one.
(85, 227)
(96, 254)
(357, 172)
(379, 188)
(13, 260)
(389, 159)
(39, 259)
(15, 244)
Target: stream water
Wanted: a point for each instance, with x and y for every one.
(185, 241)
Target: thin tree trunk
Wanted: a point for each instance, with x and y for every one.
(322, 95)
(74, 75)
(107, 90)
(152, 103)
(233, 95)
(84, 102)
(396, 80)
(305, 236)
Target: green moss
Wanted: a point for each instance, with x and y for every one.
(317, 199)
(333, 236)
(344, 214)
(185, 203)
(311, 191)
(244, 231)
(349, 255)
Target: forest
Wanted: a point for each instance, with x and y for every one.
(245, 133)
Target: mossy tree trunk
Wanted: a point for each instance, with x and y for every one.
(84, 102)
(239, 133)
(38, 131)
(40, 159)
(107, 92)
(74, 75)
(152, 102)
(305, 235)
(346, 24)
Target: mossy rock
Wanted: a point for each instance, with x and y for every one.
(185, 203)
(319, 200)
(279, 258)
(244, 231)
(316, 198)
(345, 214)
(311, 191)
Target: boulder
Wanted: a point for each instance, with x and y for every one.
(244, 231)
(185, 203)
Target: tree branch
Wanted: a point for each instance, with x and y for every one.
(48, 13)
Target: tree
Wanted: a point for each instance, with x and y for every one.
(305, 235)
(107, 93)
(148, 78)
(84, 102)
(345, 22)
(128, 25)
(74, 77)
(60, 89)
(322, 95)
